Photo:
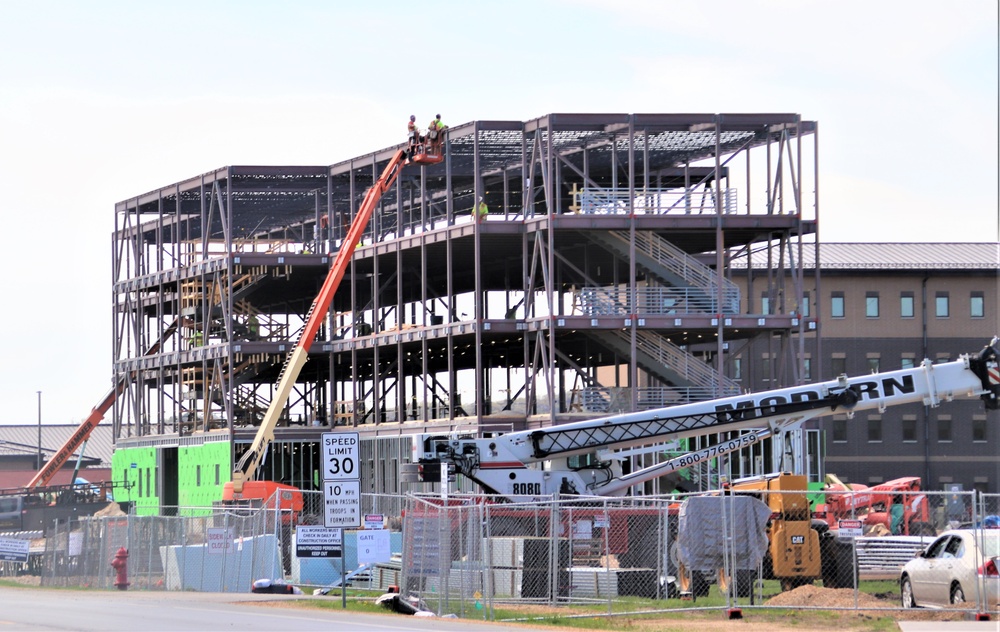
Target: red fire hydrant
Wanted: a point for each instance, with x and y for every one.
(120, 563)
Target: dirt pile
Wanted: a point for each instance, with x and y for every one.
(866, 606)
(113, 509)
(818, 597)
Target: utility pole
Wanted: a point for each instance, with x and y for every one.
(38, 465)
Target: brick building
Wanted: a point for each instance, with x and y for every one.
(881, 307)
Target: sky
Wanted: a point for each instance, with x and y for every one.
(101, 101)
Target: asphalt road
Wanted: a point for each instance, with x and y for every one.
(34, 609)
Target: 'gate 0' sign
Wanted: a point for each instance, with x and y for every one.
(340, 456)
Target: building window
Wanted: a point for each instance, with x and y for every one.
(837, 305)
(909, 428)
(977, 305)
(765, 304)
(906, 305)
(197, 475)
(874, 430)
(941, 305)
(838, 366)
(944, 428)
(737, 369)
(840, 430)
(873, 364)
(217, 474)
(765, 369)
(805, 305)
(807, 368)
(979, 429)
(906, 363)
(871, 304)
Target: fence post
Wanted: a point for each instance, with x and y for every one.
(606, 553)
(489, 586)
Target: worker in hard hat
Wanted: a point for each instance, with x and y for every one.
(481, 210)
(253, 327)
(413, 135)
(435, 128)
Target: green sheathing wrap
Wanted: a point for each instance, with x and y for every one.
(201, 472)
(136, 478)
(816, 495)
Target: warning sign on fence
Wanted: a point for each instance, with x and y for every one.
(13, 550)
(850, 528)
(219, 540)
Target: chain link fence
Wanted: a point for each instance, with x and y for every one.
(222, 552)
(469, 554)
(751, 547)
(882, 548)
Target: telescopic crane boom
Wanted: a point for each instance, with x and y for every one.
(527, 465)
(297, 357)
(86, 427)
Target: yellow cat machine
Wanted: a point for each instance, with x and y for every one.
(800, 549)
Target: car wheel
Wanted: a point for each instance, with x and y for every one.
(906, 593)
(957, 594)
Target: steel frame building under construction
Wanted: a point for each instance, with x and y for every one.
(598, 282)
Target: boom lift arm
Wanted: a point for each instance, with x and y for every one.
(297, 357)
(523, 466)
(86, 427)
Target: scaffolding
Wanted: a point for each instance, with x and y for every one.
(597, 282)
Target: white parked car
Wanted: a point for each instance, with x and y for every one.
(960, 566)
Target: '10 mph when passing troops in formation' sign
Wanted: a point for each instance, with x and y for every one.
(342, 479)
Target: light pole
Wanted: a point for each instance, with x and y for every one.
(39, 465)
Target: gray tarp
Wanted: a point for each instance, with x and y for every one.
(700, 533)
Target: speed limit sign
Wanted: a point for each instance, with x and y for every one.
(340, 456)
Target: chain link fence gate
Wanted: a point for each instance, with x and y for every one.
(468, 554)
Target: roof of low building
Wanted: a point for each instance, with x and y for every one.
(892, 256)
(23, 440)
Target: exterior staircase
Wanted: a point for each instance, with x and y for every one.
(675, 268)
(669, 363)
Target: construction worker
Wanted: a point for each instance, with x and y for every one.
(435, 128)
(481, 210)
(196, 339)
(253, 327)
(413, 135)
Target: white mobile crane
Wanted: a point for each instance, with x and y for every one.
(535, 464)
(541, 464)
